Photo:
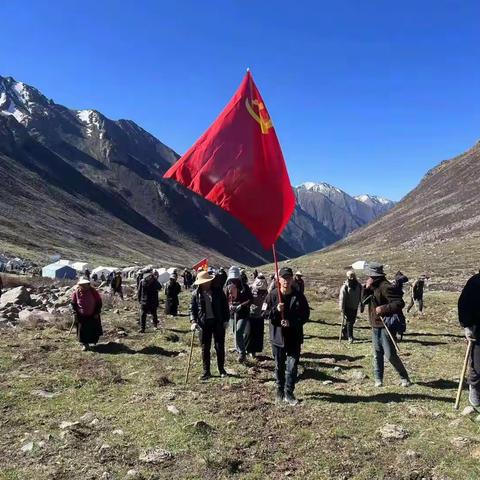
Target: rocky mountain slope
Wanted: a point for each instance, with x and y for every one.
(83, 185)
(434, 229)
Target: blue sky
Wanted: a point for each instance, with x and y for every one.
(364, 94)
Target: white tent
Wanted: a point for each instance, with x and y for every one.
(163, 275)
(81, 266)
(105, 270)
(63, 262)
(359, 265)
(172, 270)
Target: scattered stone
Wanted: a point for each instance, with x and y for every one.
(155, 455)
(103, 447)
(28, 447)
(455, 423)
(119, 431)
(327, 382)
(43, 393)
(41, 444)
(133, 474)
(87, 417)
(358, 376)
(337, 369)
(117, 311)
(475, 453)
(65, 425)
(94, 422)
(170, 396)
(460, 442)
(122, 333)
(199, 427)
(393, 432)
(173, 409)
(18, 295)
(468, 411)
(412, 454)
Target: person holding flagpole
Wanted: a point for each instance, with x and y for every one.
(288, 310)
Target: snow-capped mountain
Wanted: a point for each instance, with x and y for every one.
(336, 209)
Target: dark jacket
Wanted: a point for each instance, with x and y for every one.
(147, 293)
(297, 312)
(244, 295)
(219, 306)
(116, 282)
(417, 289)
(382, 294)
(469, 303)
(172, 290)
(299, 284)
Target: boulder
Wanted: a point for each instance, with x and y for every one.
(155, 455)
(18, 296)
(393, 432)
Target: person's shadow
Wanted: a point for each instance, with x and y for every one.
(377, 398)
(115, 348)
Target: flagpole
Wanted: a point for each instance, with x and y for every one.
(277, 277)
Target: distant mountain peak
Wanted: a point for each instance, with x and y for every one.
(374, 199)
(321, 187)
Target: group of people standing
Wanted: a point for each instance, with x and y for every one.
(215, 308)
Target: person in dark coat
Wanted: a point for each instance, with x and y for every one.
(147, 295)
(222, 277)
(255, 329)
(287, 312)
(209, 312)
(416, 294)
(116, 285)
(87, 306)
(255, 274)
(187, 279)
(469, 318)
(398, 282)
(383, 301)
(103, 278)
(349, 300)
(172, 290)
(239, 298)
(87, 274)
(298, 282)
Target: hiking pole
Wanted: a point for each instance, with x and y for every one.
(235, 330)
(71, 326)
(190, 357)
(391, 336)
(462, 376)
(341, 327)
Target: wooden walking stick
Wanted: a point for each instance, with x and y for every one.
(462, 376)
(190, 357)
(341, 327)
(71, 326)
(391, 336)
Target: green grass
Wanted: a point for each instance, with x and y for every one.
(333, 433)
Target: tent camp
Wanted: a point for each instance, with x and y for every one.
(81, 266)
(105, 270)
(163, 275)
(58, 271)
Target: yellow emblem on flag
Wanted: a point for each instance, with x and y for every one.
(265, 123)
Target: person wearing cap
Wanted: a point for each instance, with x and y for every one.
(86, 304)
(254, 332)
(172, 290)
(288, 311)
(298, 282)
(147, 295)
(116, 284)
(416, 294)
(383, 300)
(209, 313)
(349, 300)
(469, 319)
(239, 299)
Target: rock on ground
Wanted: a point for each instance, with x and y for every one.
(393, 432)
(155, 455)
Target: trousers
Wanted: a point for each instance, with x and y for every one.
(286, 367)
(384, 348)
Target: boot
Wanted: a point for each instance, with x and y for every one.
(290, 399)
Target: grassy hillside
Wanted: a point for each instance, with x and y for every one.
(231, 428)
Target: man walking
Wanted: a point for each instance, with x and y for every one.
(147, 296)
(416, 294)
(469, 318)
(116, 284)
(383, 301)
(172, 290)
(209, 312)
(298, 282)
(288, 311)
(349, 299)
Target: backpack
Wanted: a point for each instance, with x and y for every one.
(396, 323)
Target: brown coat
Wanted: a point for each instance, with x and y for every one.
(382, 294)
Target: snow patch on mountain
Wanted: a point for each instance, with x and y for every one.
(366, 198)
(322, 187)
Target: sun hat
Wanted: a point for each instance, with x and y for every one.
(203, 277)
(83, 281)
(285, 272)
(374, 269)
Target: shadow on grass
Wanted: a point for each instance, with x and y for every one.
(114, 348)
(338, 357)
(440, 384)
(178, 330)
(414, 334)
(377, 398)
(425, 343)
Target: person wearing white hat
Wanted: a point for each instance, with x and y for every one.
(209, 313)
(298, 282)
(87, 306)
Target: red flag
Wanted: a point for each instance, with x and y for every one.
(238, 165)
(202, 264)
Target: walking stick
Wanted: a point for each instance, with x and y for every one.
(71, 326)
(391, 336)
(190, 357)
(341, 328)
(462, 376)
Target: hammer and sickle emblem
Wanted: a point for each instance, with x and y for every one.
(265, 123)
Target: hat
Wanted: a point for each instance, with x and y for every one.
(203, 277)
(83, 281)
(173, 276)
(233, 273)
(260, 275)
(351, 274)
(285, 272)
(374, 269)
(299, 273)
